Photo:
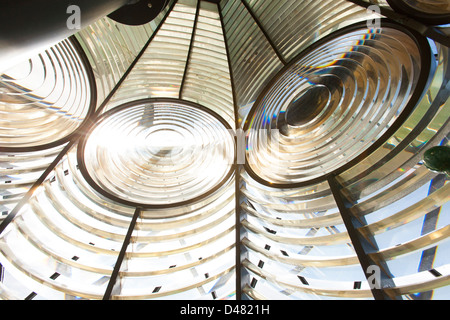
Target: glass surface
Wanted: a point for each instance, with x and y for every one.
(296, 245)
(18, 172)
(253, 61)
(200, 261)
(62, 245)
(159, 153)
(160, 70)
(111, 47)
(64, 242)
(290, 25)
(358, 84)
(42, 247)
(294, 25)
(208, 79)
(44, 99)
(404, 205)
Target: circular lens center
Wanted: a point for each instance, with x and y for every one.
(165, 141)
(307, 105)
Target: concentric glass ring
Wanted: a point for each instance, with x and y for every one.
(157, 153)
(332, 103)
(45, 99)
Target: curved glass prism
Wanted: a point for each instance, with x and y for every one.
(46, 98)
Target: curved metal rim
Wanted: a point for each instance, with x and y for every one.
(102, 117)
(425, 54)
(428, 18)
(91, 111)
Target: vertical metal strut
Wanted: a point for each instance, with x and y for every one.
(120, 258)
(237, 167)
(263, 30)
(363, 246)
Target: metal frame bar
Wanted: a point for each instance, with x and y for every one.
(121, 256)
(237, 167)
(401, 6)
(429, 225)
(361, 245)
(263, 30)
(191, 44)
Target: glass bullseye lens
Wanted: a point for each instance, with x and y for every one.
(158, 153)
(331, 104)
